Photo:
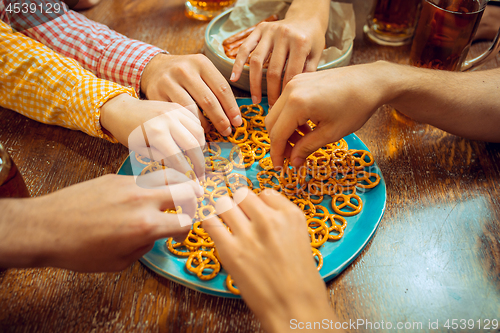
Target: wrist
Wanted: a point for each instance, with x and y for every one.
(393, 81)
(309, 304)
(112, 111)
(302, 10)
(150, 70)
(21, 238)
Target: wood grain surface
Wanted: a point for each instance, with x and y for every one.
(435, 256)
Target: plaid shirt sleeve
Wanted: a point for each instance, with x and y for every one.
(42, 85)
(104, 52)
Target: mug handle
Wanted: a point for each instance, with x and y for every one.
(487, 55)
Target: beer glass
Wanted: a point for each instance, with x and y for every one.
(11, 182)
(207, 9)
(444, 34)
(392, 22)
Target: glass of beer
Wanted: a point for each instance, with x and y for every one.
(444, 34)
(11, 182)
(207, 9)
(392, 22)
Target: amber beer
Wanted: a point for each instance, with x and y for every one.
(206, 10)
(11, 182)
(444, 33)
(392, 22)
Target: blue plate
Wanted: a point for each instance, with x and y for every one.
(337, 255)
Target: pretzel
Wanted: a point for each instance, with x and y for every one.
(317, 254)
(363, 176)
(213, 148)
(253, 108)
(174, 248)
(266, 163)
(346, 201)
(203, 264)
(318, 231)
(262, 139)
(216, 194)
(234, 181)
(237, 133)
(152, 167)
(218, 164)
(142, 159)
(333, 171)
(230, 285)
(245, 154)
(206, 209)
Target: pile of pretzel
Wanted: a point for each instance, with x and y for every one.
(333, 171)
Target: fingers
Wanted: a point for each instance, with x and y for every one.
(309, 143)
(166, 177)
(169, 153)
(280, 132)
(250, 204)
(296, 63)
(243, 53)
(182, 195)
(171, 225)
(218, 232)
(275, 200)
(257, 60)
(313, 61)
(220, 87)
(275, 71)
(192, 148)
(206, 99)
(232, 216)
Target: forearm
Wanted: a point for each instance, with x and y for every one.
(49, 88)
(310, 10)
(100, 50)
(19, 234)
(308, 309)
(464, 104)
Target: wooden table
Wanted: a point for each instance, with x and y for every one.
(435, 256)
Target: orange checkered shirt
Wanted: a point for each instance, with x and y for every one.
(44, 86)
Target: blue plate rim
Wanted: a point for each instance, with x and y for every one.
(227, 294)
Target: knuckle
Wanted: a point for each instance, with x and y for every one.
(200, 58)
(255, 60)
(224, 89)
(297, 99)
(208, 102)
(274, 74)
(285, 31)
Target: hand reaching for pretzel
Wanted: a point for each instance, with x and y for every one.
(271, 275)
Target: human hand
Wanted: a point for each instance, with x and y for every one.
(189, 80)
(157, 130)
(339, 101)
(268, 255)
(296, 42)
(103, 224)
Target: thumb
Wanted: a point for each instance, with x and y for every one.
(309, 143)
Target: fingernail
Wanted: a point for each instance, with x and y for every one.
(232, 76)
(254, 99)
(298, 161)
(226, 132)
(237, 120)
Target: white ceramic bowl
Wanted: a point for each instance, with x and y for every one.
(225, 65)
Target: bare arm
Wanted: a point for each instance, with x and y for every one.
(100, 225)
(341, 100)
